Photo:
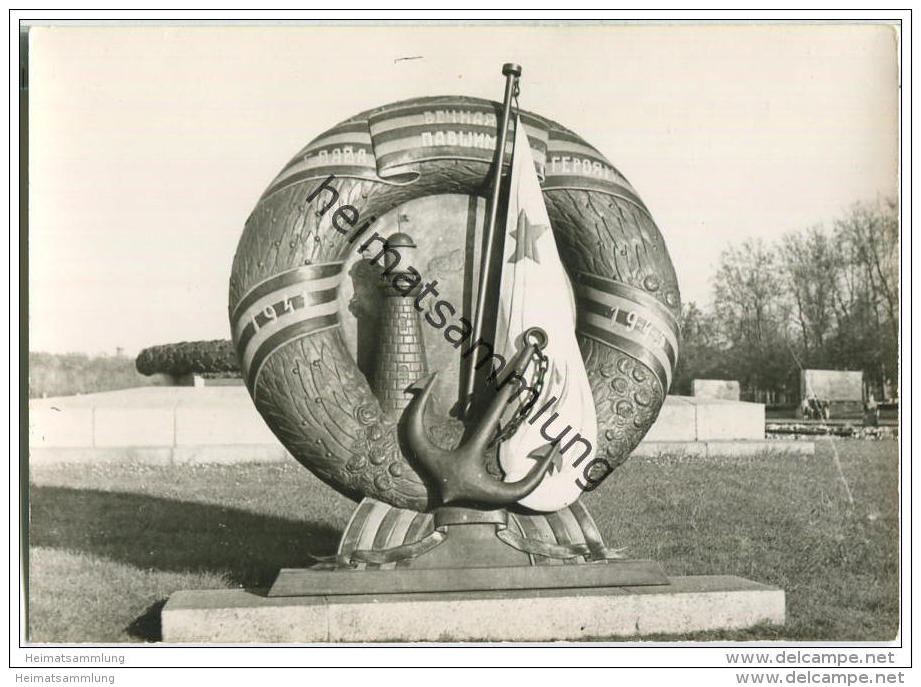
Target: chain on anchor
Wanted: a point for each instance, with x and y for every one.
(543, 363)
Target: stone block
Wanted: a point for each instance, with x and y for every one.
(723, 389)
(295, 582)
(722, 420)
(54, 426)
(241, 616)
(238, 423)
(687, 604)
(832, 385)
(677, 421)
(193, 380)
(133, 427)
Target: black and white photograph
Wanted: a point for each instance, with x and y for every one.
(475, 336)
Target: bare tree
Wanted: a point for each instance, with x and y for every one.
(819, 298)
(868, 292)
(811, 265)
(753, 310)
(870, 233)
(702, 355)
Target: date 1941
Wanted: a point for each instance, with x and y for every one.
(633, 321)
(270, 313)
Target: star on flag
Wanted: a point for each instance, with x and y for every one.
(526, 235)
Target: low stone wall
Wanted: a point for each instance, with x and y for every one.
(687, 418)
(175, 425)
(148, 417)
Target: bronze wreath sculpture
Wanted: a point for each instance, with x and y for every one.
(295, 362)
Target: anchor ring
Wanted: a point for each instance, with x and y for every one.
(535, 336)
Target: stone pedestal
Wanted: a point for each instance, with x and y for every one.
(687, 604)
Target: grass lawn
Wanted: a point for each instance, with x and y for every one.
(109, 544)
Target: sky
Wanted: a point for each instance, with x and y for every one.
(149, 146)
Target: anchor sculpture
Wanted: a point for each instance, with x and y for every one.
(460, 473)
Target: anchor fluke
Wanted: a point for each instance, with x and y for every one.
(423, 384)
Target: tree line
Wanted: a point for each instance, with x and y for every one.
(823, 297)
(66, 374)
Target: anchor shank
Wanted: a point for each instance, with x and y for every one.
(485, 429)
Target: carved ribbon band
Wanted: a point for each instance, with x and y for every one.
(390, 143)
(288, 306)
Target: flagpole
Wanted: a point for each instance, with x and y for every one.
(512, 73)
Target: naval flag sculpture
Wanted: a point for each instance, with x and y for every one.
(575, 288)
(535, 292)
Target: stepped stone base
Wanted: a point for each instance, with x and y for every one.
(687, 604)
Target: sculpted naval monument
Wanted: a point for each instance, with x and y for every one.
(469, 524)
